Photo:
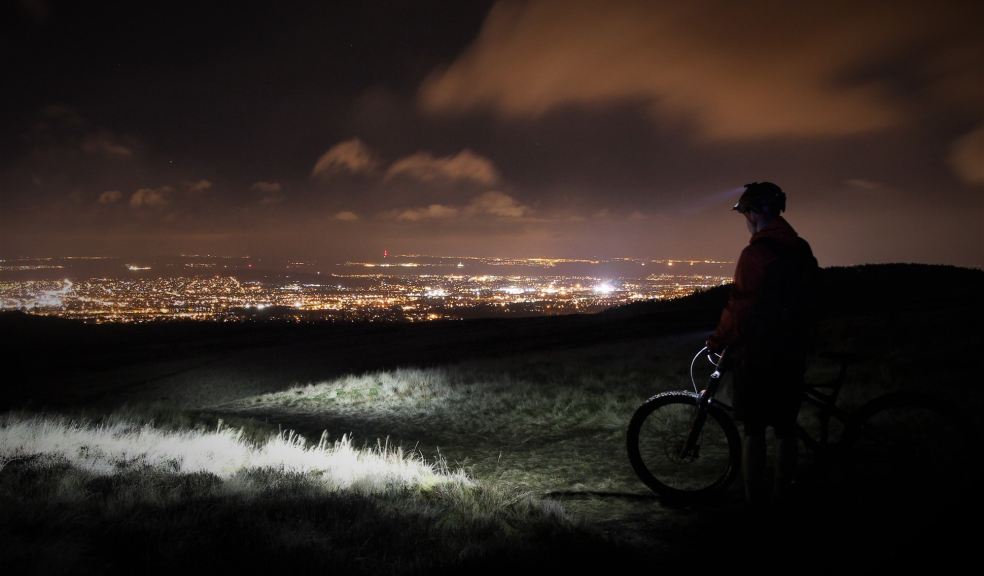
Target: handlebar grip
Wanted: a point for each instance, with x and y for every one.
(723, 363)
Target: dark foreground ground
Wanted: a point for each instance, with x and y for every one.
(540, 427)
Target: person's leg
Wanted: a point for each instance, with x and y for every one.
(748, 410)
(787, 447)
(753, 464)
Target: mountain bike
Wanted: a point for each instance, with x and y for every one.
(685, 445)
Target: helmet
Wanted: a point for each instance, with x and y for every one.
(759, 196)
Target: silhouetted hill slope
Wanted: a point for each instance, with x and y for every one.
(877, 308)
(868, 287)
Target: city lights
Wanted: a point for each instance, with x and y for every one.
(412, 288)
(603, 288)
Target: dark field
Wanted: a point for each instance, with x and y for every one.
(512, 436)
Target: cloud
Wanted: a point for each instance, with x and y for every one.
(271, 199)
(967, 157)
(493, 203)
(110, 197)
(197, 187)
(270, 192)
(345, 216)
(266, 187)
(739, 70)
(465, 165)
(105, 144)
(432, 212)
(351, 156)
(151, 197)
(498, 204)
(863, 184)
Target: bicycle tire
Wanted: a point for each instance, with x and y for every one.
(657, 431)
(905, 441)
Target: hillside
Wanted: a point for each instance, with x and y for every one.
(493, 443)
(895, 304)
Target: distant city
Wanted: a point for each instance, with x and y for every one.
(402, 287)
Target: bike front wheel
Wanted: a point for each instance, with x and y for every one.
(656, 437)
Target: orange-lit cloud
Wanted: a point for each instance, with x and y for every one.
(266, 187)
(498, 204)
(271, 199)
(270, 192)
(495, 204)
(151, 197)
(198, 186)
(110, 197)
(863, 184)
(104, 143)
(967, 157)
(432, 212)
(465, 165)
(738, 70)
(345, 216)
(351, 156)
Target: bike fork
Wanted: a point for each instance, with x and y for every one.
(691, 448)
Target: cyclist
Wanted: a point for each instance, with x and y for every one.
(767, 327)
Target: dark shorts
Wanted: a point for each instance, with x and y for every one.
(767, 394)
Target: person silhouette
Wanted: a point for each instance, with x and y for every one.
(768, 328)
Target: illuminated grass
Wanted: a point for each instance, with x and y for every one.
(536, 422)
(119, 446)
(466, 400)
(119, 495)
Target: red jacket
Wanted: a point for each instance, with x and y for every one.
(750, 296)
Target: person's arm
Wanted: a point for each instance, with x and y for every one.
(749, 275)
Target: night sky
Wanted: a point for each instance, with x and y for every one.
(565, 128)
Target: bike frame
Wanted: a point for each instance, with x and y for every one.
(812, 395)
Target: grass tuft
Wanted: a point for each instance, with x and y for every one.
(120, 446)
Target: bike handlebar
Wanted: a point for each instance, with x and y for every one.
(719, 365)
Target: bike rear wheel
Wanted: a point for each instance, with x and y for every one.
(656, 436)
(910, 444)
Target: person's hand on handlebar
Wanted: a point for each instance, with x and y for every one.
(714, 346)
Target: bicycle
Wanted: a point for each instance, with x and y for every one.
(685, 445)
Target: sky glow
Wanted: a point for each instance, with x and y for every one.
(560, 128)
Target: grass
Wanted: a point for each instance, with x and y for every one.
(527, 395)
(541, 423)
(124, 493)
(151, 477)
(462, 401)
(145, 520)
(119, 446)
